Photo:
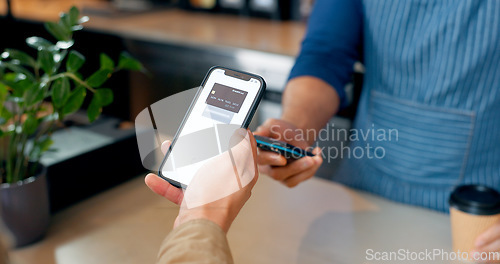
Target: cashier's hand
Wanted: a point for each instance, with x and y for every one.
(275, 165)
(489, 241)
(221, 186)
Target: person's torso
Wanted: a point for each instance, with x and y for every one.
(432, 75)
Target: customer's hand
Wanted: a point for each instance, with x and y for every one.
(221, 186)
(275, 165)
(489, 241)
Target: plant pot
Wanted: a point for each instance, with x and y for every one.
(25, 209)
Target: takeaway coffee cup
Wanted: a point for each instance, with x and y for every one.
(473, 209)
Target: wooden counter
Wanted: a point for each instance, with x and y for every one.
(316, 222)
(175, 26)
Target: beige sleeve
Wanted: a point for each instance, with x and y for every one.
(196, 241)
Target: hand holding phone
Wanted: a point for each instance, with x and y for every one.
(277, 166)
(206, 197)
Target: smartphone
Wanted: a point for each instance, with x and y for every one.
(225, 97)
(289, 151)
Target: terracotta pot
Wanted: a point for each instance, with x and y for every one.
(25, 209)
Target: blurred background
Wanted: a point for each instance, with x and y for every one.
(177, 41)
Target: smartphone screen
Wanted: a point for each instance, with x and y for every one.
(225, 97)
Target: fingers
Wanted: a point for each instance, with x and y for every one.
(163, 188)
(492, 247)
(233, 171)
(489, 241)
(165, 145)
(253, 144)
(243, 157)
(298, 171)
(266, 169)
(293, 168)
(300, 177)
(264, 129)
(270, 158)
(284, 131)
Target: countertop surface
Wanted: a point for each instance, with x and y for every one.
(171, 25)
(316, 222)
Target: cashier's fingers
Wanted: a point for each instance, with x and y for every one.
(306, 164)
(163, 188)
(305, 175)
(300, 177)
(293, 168)
(490, 253)
(489, 241)
(270, 158)
(297, 171)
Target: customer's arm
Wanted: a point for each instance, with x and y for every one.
(195, 241)
(207, 207)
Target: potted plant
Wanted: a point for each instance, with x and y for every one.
(36, 93)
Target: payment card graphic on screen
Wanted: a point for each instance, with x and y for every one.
(223, 102)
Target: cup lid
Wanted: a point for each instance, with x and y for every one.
(476, 199)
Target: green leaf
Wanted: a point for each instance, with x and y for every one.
(58, 31)
(65, 44)
(17, 55)
(2, 69)
(126, 62)
(4, 115)
(83, 19)
(13, 77)
(106, 62)
(45, 144)
(65, 21)
(30, 124)
(40, 147)
(94, 109)
(35, 94)
(75, 100)
(22, 87)
(40, 43)
(98, 77)
(46, 61)
(60, 92)
(103, 96)
(3, 97)
(18, 69)
(74, 13)
(18, 83)
(75, 61)
(58, 58)
(3, 93)
(76, 28)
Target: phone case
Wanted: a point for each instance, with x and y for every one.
(288, 151)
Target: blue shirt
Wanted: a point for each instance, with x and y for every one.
(432, 75)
